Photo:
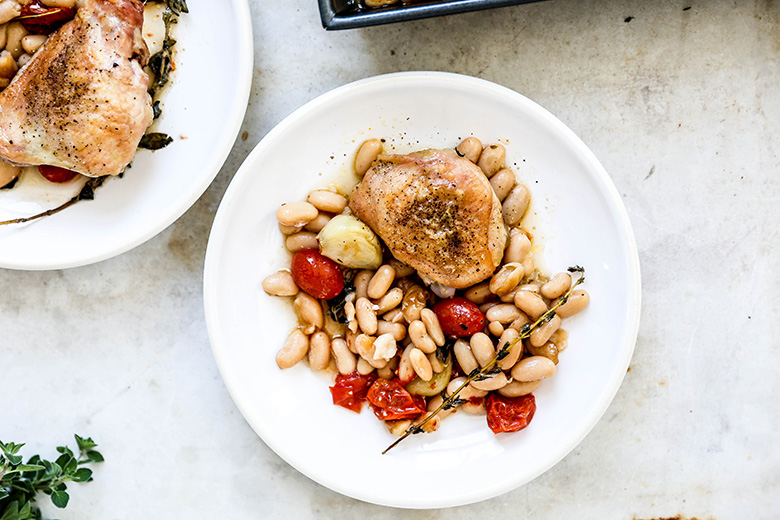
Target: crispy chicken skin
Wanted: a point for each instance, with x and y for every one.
(81, 103)
(436, 212)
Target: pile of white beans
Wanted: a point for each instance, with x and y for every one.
(393, 330)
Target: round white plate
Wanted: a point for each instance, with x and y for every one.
(202, 111)
(581, 219)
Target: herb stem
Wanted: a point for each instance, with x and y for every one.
(524, 333)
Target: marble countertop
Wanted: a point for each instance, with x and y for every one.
(680, 102)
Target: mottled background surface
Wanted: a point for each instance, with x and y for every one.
(678, 99)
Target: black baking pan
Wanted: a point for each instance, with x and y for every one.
(348, 14)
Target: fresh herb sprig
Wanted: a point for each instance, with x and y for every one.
(21, 482)
(479, 374)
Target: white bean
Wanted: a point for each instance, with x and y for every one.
(420, 364)
(492, 382)
(515, 351)
(465, 357)
(293, 350)
(366, 317)
(530, 303)
(433, 326)
(503, 182)
(280, 283)
(420, 337)
(390, 300)
(470, 148)
(319, 351)
(578, 300)
(519, 388)
(482, 348)
(397, 330)
(515, 205)
(309, 312)
(533, 368)
(301, 240)
(518, 248)
(557, 286)
(503, 313)
(329, 201)
(492, 159)
(381, 281)
(542, 334)
(366, 155)
(296, 214)
(32, 42)
(345, 360)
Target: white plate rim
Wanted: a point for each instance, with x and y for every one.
(224, 143)
(217, 237)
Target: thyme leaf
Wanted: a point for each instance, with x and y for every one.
(155, 141)
(479, 374)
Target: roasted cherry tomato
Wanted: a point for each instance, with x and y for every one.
(317, 275)
(39, 19)
(391, 401)
(509, 414)
(56, 174)
(459, 317)
(350, 390)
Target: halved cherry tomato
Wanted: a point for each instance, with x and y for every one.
(459, 317)
(350, 390)
(391, 401)
(56, 174)
(317, 275)
(40, 19)
(509, 414)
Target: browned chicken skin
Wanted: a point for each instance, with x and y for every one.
(436, 212)
(81, 103)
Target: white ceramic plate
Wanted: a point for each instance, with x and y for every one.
(202, 111)
(582, 221)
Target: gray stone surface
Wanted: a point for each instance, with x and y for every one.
(678, 99)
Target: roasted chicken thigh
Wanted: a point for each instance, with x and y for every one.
(81, 103)
(435, 211)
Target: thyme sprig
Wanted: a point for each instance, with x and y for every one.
(480, 374)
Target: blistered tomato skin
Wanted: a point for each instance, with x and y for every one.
(350, 390)
(56, 174)
(509, 414)
(316, 275)
(391, 401)
(40, 19)
(459, 317)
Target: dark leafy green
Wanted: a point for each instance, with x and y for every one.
(155, 141)
(21, 482)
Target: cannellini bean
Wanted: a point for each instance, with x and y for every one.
(548, 350)
(350, 338)
(15, 33)
(364, 367)
(296, 214)
(319, 351)
(509, 297)
(301, 240)
(280, 283)
(542, 334)
(492, 382)
(518, 248)
(482, 348)
(3, 35)
(405, 371)
(390, 300)
(519, 388)
(486, 306)
(479, 293)
(293, 350)
(520, 322)
(367, 351)
(401, 269)
(506, 279)
(394, 316)
(385, 372)
(433, 326)
(420, 364)
(361, 283)
(366, 155)
(492, 159)
(316, 225)
(530, 287)
(23, 60)
(385, 347)
(413, 303)
(560, 339)
(8, 66)
(495, 328)
(329, 201)
(420, 337)
(468, 391)
(289, 230)
(528, 264)
(509, 337)
(366, 317)
(32, 42)
(533, 368)
(503, 313)
(381, 281)
(400, 426)
(397, 330)
(530, 303)
(557, 286)
(436, 365)
(435, 402)
(503, 182)
(309, 312)
(515, 205)
(465, 357)
(470, 148)
(578, 300)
